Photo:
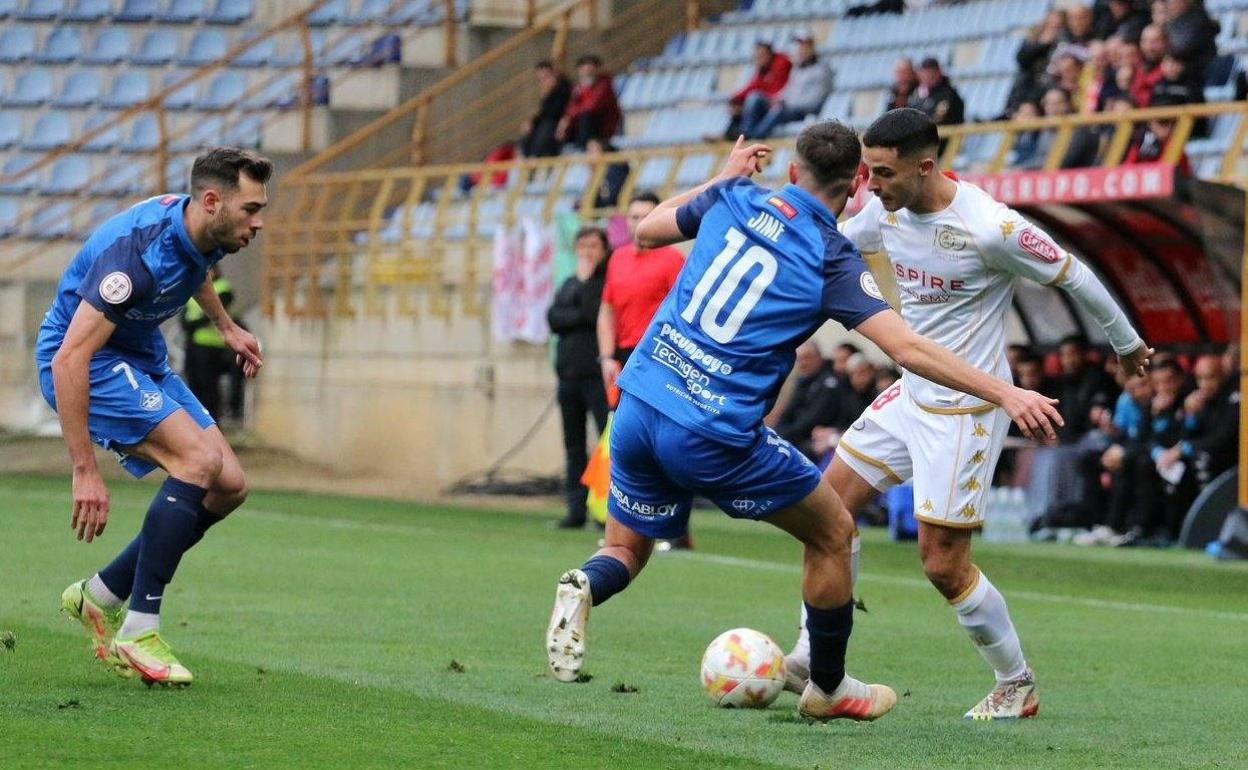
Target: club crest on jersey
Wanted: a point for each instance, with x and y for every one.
(151, 400)
(785, 207)
(767, 226)
(949, 238)
(869, 286)
(116, 288)
(1039, 246)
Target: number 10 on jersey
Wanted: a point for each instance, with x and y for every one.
(708, 319)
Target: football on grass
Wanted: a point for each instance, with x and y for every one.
(743, 668)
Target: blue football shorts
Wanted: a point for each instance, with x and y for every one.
(658, 465)
(128, 401)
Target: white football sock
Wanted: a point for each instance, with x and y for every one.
(138, 623)
(100, 593)
(801, 650)
(982, 612)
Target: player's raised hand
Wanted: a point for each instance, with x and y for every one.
(247, 348)
(745, 159)
(90, 504)
(1035, 414)
(1135, 363)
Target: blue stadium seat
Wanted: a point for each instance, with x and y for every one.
(8, 8)
(107, 139)
(128, 89)
(281, 91)
(10, 129)
(51, 222)
(207, 46)
(413, 12)
(13, 165)
(178, 174)
(81, 87)
(185, 11)
(112, 44)
(246, 132)
(144, 134)
(17, 43)
(10, 213)
(32, 88)
(138, 10)
(288, 51)
(259, 55)
(226, 90)
(52, 130)
(330, 13)
(204, 132)
(68, 175)
(63, 44)
(341, 48)
(232, 11)
(185, 97)
(159, 46)
(101, 213)
(124, 176)
(368, 12)
(41, 10)
(88, 10)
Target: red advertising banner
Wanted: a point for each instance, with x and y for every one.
(1081, 185)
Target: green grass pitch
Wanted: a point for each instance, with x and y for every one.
(322, 633)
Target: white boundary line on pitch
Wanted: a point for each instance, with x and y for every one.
(1106, 604)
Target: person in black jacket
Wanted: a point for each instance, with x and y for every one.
(538, 130)
(815, 399)
(936, 97)
(574, 316)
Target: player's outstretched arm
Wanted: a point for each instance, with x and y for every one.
(661, 228)
(1034, 413)
(71, 367)
(238, 339)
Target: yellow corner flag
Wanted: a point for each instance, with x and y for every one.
(597, 475)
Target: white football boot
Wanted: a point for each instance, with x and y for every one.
(565, 637)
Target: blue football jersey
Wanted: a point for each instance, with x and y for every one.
(767, 269)
(139, 268)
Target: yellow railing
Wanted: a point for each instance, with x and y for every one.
(342, 243)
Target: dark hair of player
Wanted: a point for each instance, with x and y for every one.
(904, 129)
(645, 197)
(220, 167)
(830, 152)
(594, 232)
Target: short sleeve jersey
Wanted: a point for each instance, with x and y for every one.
(767, 269)
(139, 268)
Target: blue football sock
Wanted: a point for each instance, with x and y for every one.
(829, 636)
(607, 577)
(167, 531)
(118, 576)
(204, 519)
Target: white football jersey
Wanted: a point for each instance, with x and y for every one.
(955, 273)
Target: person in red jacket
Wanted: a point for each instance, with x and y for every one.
(769, 80)
(593, 112)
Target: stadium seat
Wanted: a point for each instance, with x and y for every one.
(144, 134)
(107, 139)
(63, 44)
(413, 12)
(225, 90)
(17, 43)
(246, 132)
(10, 214)
(341, 48)
(182, 98)
(111, 45)
(159, 46)
(259, 55)
(232, 11)
(49, 222)
(81, 88)
(128, 89)
(367, 12)
(178, 174)
(101, 213)
(202, 133)
(185, 11)
(69, 175)
(52, 130)
(138, 10)
(10, 129)
(330, 13)
(41, 10)
(124, 176)
(13, 165)
(32, 88)
(88, 10)
(281, 91)
(8, 8)
(207, 46)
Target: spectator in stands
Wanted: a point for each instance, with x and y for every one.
(1148, 75)
(855, 394)
(771, 75)
(1055, 103)
(1122, 18)
(498, 179)
(1079, 26)
(936, 97)
(905, 80)
(208, 359)
(885, 376)
(1067, 73)
(608, 194)
(879, 6)
(538, 131)
(1080, 387)
(573, 315)
(1192, 36)
(1033, 59)
(1027, 144)
(813, 400)
(810, 83)
(593, 110)
(1175, 86)
(841, 356)
(1151, 146)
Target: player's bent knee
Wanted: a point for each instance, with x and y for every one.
(201, 465)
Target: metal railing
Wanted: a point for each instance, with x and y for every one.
(340, 243)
